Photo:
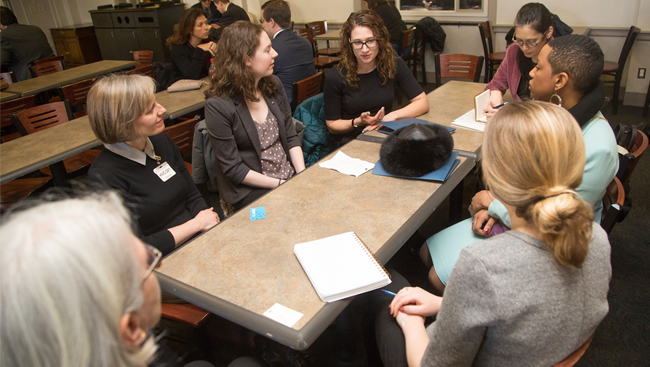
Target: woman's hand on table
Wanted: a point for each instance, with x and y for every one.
(496, 99)
(210, 47)
(480, 201)
(415, 301)
(482, 223)
(206, 219)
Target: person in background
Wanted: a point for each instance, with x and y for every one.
(190, 54)
(568, 73)
(392, 20)
(210, 10)
(532, 295)
(295, 60)
(142, 164)
(230, 13)
(21, 45)
(360, 90)
(533, 29)
(249, 118)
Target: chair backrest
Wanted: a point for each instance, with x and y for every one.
(486, 38)
(320, 27)
(407, 40)
(10, 107)
(628, 161)
(76, 93)
(627, 47)
(306, 88)
(183, 134)
(613, 203)
(144, 70)
(458, 66)
(47, 67)
(143, 56)
(42, 117)
(8, 77)
(308, 33)
(49, 59)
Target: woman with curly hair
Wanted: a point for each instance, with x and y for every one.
(249, 118)
(190, 56)
(359, 92)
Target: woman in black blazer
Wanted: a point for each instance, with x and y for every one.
(249, 118)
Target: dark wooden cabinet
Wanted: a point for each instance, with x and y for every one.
(121, 31)
(77, 44)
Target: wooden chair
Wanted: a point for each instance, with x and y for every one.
(76, 94)
(183, 135)
(13, 191)
(306, 88)
(613, 204)
(458, 66)
(42, 117)
(50, 59)
(417, 55)
(492, 59)
(407, 41)
(8, 77)
(615, 69)
(144, 57)
(573, 358)
(628, 161)
(320, 62)
(147, 70)
(13, 106)
(47, 67)
(186, 313)
(319, 28)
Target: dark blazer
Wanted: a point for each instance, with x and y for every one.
(189, 62)
(295, 60)
(231, 15)
(21, 45)
(214, 12)
(235, 140)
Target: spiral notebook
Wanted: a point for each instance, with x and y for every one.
(340, 266)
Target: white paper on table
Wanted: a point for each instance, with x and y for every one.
(347, 165)
(468, 121)
(283, 315)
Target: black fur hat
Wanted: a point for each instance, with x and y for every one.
(416, 150)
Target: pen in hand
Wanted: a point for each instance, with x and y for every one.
(388, 292)
(501, 105)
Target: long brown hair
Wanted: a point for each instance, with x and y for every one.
(534, 159)
(184, 27)
(238, 42)
(385, 60)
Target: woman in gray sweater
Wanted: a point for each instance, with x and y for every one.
(535, 294)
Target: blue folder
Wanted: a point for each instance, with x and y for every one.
(390, 126)
(441, 174)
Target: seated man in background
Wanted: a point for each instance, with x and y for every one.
(230, 13)
(210, 10)
(21, 45)
(295, 60)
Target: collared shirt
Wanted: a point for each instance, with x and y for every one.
(226, 9)
(278, 32)
(129, 152)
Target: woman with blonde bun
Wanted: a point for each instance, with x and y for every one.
(532, 295)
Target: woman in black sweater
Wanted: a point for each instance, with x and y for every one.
(190, 56)
(144, 165)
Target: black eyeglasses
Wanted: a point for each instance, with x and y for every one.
(153, 260)
(358, 45)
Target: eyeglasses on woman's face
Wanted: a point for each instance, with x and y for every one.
(529, 44)
(358, 44)
(153, 260)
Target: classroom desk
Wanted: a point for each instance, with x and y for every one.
(240, 268)
(331, 35)
(49, 147)
(7, 96)
(60, 78)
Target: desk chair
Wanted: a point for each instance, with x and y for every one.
(48, 66)
(76, 94)
(492, 59)
(417, 54)
(306, 88)
(615, 69)
(320, 62)
(147, 70)
(183, 135)
(614, 209)
(407, 41)
(49, 59)
(13, 191)
(7, 109)
(628, 161)
(43, 117)
(320, 27)
(144, 57)
(458, 66)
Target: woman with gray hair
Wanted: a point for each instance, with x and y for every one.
(143, 164)
(77, 289)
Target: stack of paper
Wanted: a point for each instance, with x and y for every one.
(468, 120)
(349, 166)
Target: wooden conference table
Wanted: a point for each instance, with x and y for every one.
(241, 268)
(60, 78)
(48, 147)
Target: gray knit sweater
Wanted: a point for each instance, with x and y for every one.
(509, 302)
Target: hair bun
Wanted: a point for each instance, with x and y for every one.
(415, 150)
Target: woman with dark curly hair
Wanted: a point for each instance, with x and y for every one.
(190, 56)
(359, 92)
(249, 119)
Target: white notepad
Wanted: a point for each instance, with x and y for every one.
(340, 266)
(481, 102)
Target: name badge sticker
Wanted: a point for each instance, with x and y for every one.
(164, 172)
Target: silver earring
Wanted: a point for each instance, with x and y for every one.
(559, 99)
